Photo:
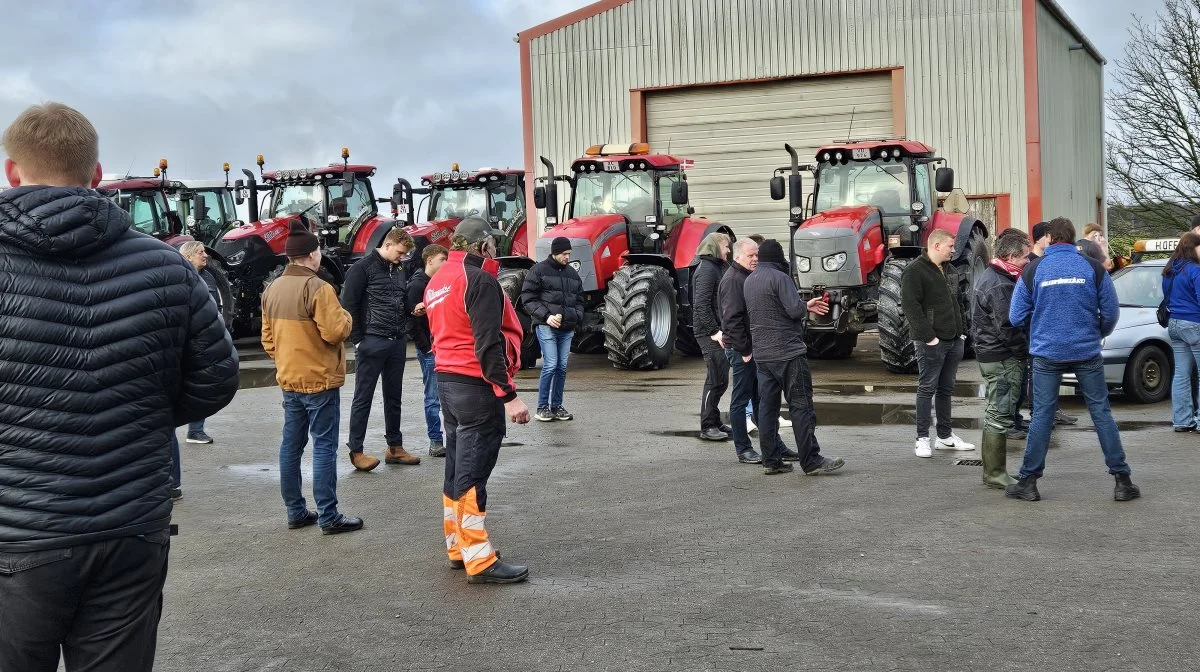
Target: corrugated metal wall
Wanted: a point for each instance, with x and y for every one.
(962, 61)
(1071, 114)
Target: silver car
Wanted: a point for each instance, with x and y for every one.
(1137, 355)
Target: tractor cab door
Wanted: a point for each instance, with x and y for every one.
(148, 210)
(350, 205)
(507, 208)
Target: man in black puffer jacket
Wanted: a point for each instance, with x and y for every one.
(108, 341)
(553, 296)
(375, 295)
(710, 265)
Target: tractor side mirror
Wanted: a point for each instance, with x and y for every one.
(679, 193)
(348, 180)
(777, 192)
(510, 190)
(539, 198)
(199, 207)
(944, 180)
(239, 191)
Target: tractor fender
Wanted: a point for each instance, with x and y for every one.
(513, 261)
(374, 237)
(687, 236)
(961, 226)
(662, 260)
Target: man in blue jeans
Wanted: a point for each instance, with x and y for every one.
(433, 256)
(1069, 305)
(304, 329)
(553, 296)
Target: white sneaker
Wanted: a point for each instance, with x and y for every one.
(954, 443)
(785, 421)
(923, 449)
(750, 426)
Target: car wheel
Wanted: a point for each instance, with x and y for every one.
(1148, 375)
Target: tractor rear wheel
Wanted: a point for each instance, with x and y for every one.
(895, 342)
(975, 262)
(826, 345)
(686, 343)
(511, 280)
(224, 291)
(640, 318)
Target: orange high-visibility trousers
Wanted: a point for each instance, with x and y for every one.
(450, 527)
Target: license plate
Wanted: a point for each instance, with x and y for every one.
(612, 166)
(402, 209)
(860, 154)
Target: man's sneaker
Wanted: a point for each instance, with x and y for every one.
(785, 421)
(788, 455)
(310, 518)
(783, 468)
(923, 449)
(827, 465)
(363, 462)
(750, 457)
(343, 524)
(1016, 434)
(176, 494)
(953, 442)
(750, 426)
(561, 413)
(436, 449)
(1025, 488)
(544, 415)
(1125, 489)
(1189, 428)
(714, 434)
(1061, 418)
(198, 437)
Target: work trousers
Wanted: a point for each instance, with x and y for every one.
(474, 429)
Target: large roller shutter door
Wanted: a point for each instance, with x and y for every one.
(735, 134)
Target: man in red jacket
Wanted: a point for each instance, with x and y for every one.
(477, 349)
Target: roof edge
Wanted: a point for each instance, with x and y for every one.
(581, 14)
(1059, 13)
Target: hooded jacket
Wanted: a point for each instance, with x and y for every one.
(108, 341)
(775, 313)
(706, 310)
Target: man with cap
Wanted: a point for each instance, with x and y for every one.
(304, 329)
(477, 350)
(776, 316)
(553, 296)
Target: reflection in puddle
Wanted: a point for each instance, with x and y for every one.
(860, 415)
(965, 390)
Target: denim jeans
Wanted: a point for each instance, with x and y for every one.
(1004, 380)
(196, 427)
(938, 366)
(320, 415)
(1185, 343)
(556, 349)
(176, 467)
(745, 394)
(1047, 377)
(433, 405)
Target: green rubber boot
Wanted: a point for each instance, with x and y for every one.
(995, 472)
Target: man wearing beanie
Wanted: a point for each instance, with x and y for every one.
(476, 352)
(776, 316)
(553, 296)
(304, 329)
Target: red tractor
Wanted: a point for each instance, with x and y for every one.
(335, 202)
(148, 201)
(872, 207)
(634, 238)
(497, 195)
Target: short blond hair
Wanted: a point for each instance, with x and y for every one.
(53, 142)
(1092, 228)
(938, 236)
(398, 236)
(191, 248)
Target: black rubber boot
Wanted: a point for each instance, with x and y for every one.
(995, 473)
(1025, 488)
(1125, 489)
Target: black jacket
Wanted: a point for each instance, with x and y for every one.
(706, 311)
(418, 325)
(996, 339)
(931, 302)
(108, 341)
(551, 288)
(776, 314)
(732, 299)
(375, 295)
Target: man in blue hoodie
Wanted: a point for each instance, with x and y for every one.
(1068, 304)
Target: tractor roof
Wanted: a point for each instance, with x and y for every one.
(129, 183)
(303, 175)
(207, 185)
(908, 147)
(651, 160)
(466, 177)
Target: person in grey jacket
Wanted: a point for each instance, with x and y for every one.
(710, 265)
(776, 316)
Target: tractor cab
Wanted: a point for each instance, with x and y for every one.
(497, 195)
(208, 207)
(146, 201)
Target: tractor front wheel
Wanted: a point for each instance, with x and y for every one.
(895, 342)
(640, 318)
(224, 292)
(511, 280)
(975, 262)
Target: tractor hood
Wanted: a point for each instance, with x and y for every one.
(839, 247)
(263, 228)
(588, 227)
(843, 221)
(438, 231)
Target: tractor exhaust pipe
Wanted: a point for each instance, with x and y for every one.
(252, 190)
(795, 206)
(549, 198)
(402, 199)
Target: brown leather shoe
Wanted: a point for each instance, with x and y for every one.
(398, 455)
(363, 462)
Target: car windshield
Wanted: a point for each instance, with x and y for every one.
(296, 198)
(457, 203)
(1139, 286)
(884, 185)
(630, 194)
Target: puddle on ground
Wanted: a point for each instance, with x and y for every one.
(859, 415)
(965, 390)
(250, 377)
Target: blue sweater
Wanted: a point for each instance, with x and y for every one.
(1182, 290)
(1066, 313)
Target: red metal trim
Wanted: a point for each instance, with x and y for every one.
(565, 20)
(531, 231)
(1033, 131)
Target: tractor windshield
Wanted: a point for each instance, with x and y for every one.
(883, 185)
(148, 210)
(629, 193)
(296, 198)
(458, 202)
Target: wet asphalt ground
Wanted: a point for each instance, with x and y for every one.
(652, 550)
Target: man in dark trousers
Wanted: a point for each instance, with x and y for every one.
(376, 297)
(553, 296)
(710, 265)
(432, 256)
(477, 350)
(1068, 304)
(108, 341)
(776, 316)
(929, 296)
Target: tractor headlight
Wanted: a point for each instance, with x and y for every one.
(834, 262)
(236, 258)
(575, 264)
(803, 265)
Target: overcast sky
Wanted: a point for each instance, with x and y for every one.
(408, 85)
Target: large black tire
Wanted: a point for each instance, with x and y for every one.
(895, 343)
(224, 291)
(975, 261)
(511, 280)
(686, 343)
(322, 273)
(640, 318)
(1147, 378)
(591, 343)
(828, 345)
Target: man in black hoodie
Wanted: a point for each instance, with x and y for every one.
(710, 265)
(776, 315)
(108, 341)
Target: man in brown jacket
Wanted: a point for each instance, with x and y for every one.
(304, 329)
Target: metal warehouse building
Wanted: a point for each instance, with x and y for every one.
(1009, 91)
